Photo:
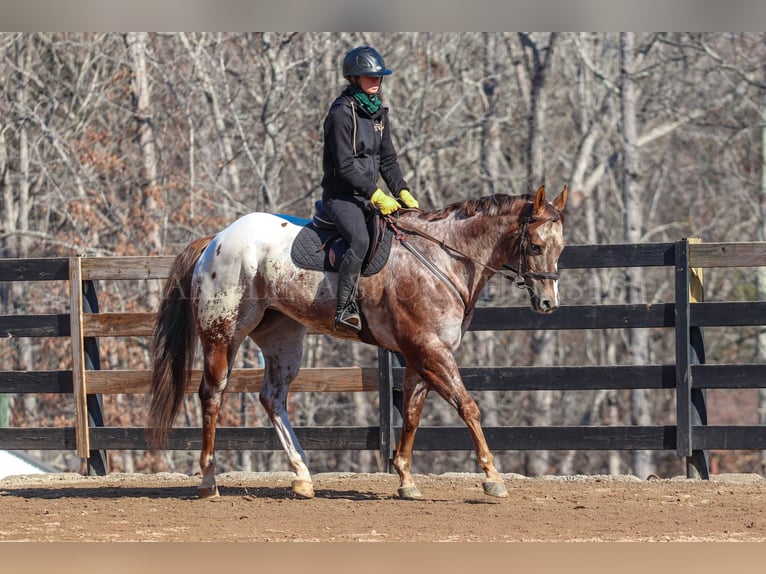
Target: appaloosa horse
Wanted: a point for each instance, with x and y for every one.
(242, 283)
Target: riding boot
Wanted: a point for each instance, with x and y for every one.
(347, 312)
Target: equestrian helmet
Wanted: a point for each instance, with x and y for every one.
(364, 61)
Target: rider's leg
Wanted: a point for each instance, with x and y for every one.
(349, 217)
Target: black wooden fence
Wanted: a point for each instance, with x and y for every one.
(691, 437)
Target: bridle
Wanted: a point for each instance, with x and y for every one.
(520, 273)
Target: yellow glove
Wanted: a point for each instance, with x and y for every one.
(385, 203)
(406, 198)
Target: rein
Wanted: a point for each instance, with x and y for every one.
(431, 267)
(520, 273)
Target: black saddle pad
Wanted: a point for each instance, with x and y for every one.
(322, 250)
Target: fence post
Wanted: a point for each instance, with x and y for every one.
(385, 393)
(697, 465)
(97, 465)
(79, 390)
(690, 403)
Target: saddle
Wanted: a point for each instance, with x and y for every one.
(320, 247)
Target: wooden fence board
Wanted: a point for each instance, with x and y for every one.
(745, 254)
(48, 438)
(252, 438)
(43, 269)
(50, 325)
(740, 437)
(617, 255)
(710, 314)
(125, 325)
(574, 317)
(735, 376)
(36, 382)
(563, 378)
(227, 438)
(352, 379)
(728, 314)
(340, 379)
(551, 438)
(427, 438)
(157, 267)
(119, 324)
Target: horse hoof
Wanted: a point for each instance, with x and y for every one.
(207, 492)
(495, 488)
(303, 488)
(409, 493)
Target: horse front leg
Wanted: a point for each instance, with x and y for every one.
(214, 380)
(440, 371)
(415, 393)
(493, 483)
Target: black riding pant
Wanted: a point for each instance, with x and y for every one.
(349, 217)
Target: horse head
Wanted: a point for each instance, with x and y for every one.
(541, 241)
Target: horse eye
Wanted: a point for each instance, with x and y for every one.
(536, 249)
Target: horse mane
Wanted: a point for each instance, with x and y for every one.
(490, 206)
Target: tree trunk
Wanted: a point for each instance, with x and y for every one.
(18, 207)
(227, 156)
(5, 222)
(490, 142)
(142, 110)
(544, 342)
(149, 218)
(632, 231)
(760, 274)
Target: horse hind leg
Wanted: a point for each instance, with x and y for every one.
(415, 393)
(281, 342)
(215, 377)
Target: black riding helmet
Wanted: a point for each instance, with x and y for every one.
(364, 61)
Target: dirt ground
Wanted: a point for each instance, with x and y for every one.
(257, 507)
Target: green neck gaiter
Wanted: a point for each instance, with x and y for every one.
(370, 103)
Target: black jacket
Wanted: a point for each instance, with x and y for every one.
(358, 148)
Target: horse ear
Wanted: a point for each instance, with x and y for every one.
(561, 199)
(540, 198)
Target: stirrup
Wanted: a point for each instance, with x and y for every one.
(349, 318)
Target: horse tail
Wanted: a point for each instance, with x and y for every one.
(174, 344)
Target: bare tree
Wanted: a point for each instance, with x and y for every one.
(632, 233)
(142, 102)
(537, 55)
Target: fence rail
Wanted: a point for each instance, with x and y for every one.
(687, 315)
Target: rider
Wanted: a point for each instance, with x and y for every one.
(357, 149)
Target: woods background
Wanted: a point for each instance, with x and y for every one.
(133, 144)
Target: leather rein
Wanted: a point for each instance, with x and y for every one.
(520, 272)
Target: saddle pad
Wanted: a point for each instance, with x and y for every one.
(312, 249)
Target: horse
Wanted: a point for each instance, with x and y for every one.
(241, 282)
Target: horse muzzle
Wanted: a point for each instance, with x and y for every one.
(544, 305)
(543, 295)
